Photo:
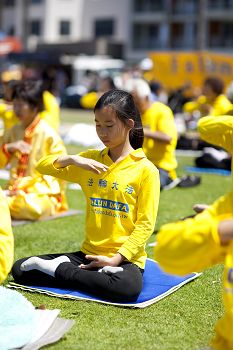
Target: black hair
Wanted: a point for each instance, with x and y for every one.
(31, 92)
(11, 84)
(215, 84)
(123, 104)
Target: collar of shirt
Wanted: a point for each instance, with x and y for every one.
(137, 153)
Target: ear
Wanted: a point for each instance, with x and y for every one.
(130, 123)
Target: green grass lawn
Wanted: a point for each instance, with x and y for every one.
(182, 321)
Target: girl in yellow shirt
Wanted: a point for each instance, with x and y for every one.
(121, 187)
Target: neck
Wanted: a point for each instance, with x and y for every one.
(29, 122)
(120, 152)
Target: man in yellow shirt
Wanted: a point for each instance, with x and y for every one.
(6, 239)
(30, 195)
(159, 130)
(207, 239)
(212, 102)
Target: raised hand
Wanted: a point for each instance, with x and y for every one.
(81, 162)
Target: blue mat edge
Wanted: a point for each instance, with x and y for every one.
(142, 304)
(208, 171)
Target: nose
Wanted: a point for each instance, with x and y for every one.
(103, 131)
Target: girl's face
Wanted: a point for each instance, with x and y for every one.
(24, 111)
(110, 129)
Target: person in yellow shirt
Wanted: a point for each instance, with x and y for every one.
(30, 195)
(212, 102)
(6, 106)
(206, 239)
(89, 100)
(49, 109)
(159, 130)
(119, 184)
(6, 239)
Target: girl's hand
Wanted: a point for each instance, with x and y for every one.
(101, 261)
(89, 164)
(81, 162)
(18, 146)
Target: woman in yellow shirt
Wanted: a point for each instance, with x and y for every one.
(30, 195)
(207, 239)
(49, 109)
(121, 187)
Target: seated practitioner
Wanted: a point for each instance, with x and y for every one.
(31, 195)
(88, 101)
(119, 184)
(6, 105)
(159, 130)
(212, 102)
(6, 239)
(49, 109)
(197, 243)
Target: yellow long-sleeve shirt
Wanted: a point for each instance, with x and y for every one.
(121, 203)
(159, 117)
(7, 115)
(194, 244)
(6, 239)
(220, 106)
(23, 174)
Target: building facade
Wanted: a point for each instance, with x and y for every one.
(139, 25)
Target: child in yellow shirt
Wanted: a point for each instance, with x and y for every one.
(207, 239)
(121, 187)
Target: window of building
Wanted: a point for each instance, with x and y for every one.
(9, 3)
(148, 5)
(64, 27)
(185, 7)
(220, 34)
(183, 35)
(104, 27)
(35, 2)
(220, 4)
(11, 31)
(35, 27)
(146, 36)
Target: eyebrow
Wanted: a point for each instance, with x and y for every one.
(106, 121)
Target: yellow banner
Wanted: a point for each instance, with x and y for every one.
(175, 69)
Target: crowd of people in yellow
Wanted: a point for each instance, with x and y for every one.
(122, 186)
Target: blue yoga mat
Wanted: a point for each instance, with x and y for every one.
(192, 169)
(156, 286)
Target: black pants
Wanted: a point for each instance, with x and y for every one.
(123, 286)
